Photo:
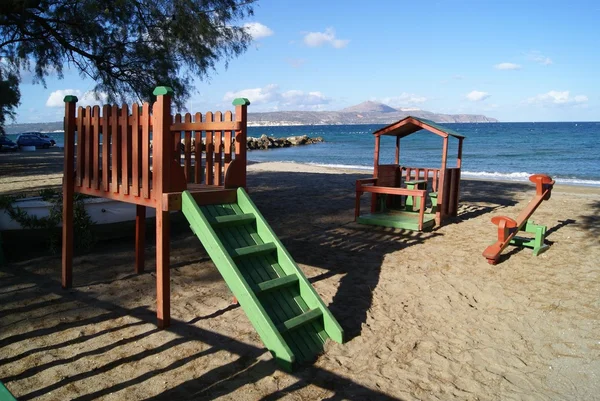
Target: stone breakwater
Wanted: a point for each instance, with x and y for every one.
(264, 142)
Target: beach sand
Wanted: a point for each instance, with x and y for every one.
(426, 317)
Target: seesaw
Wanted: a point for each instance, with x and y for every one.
(509, 228)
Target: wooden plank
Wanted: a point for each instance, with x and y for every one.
(96, 147)
(253, 250)
(136, 151)
(198, 152)
(207, 125)
(172, 200)
(210, 150)
(88, 141)
(276, 284)
(115, 158)
(218, 161)
(145, 123)
(79, 166)
(300, 320)
(177, 140)
(125, 148)
(232, 220)
(70, 125)
(105, 146)
(187, 162)
(228, 145)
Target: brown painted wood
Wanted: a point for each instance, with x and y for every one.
(145, 124)
(218, 160)
(198, 176)
(227, 145)
(88, 141)
(187, 140)
(118, 196)
(106, 110)
(162, 163)
(210, 150)
(203, 195)
(125, 148)
(136, 154)
(79, 150)
(207, 126)
(68, 189)
(96, 147)
(140, 238)
(241, 134)
(177, 139)
(115, 158)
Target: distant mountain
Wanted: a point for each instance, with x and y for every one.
(363, 113)
(369, 107)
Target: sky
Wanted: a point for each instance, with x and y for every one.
(525, 60)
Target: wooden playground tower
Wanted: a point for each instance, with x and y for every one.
(399, 194)
(137, 157)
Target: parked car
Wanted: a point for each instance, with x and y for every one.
(7, 144)
(45, 136)
(33, 139)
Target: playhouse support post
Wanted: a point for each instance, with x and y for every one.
(140, 237)
(375, 173)
(442, 201)
(68, 190)
(163, 156)
(241, 116)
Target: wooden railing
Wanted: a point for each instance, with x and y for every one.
(120, 153)
(431, 175)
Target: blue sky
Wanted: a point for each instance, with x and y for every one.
(511, 60)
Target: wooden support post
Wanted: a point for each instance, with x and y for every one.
(442, 201)
(241, 158)
(140, 238)
(68, 189)
(163, 156)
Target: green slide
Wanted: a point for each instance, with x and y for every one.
(284, 308)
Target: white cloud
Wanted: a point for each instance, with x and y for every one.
(558, 98)
(316, 39)
(89, 98)
(507, 66)
(403, 99)
(538, 57)
(477, 96)
(271, 94)
(257, 30)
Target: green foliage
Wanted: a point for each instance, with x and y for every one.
(127, 47)
(10, 96)
(82, 222)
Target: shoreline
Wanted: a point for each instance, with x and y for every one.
(31, 171)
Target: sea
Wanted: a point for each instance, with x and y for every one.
(569, 152)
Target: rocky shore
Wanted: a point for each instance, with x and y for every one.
(265, 142)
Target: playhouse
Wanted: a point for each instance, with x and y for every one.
(413, 198)
(145, 156)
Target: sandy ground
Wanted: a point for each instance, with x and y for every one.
(426, 317)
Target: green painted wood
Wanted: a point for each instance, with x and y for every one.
(253, 250)
(300, 320)
(6, 395)
(397, 219)
(288, 266)
(276, 283)
(537, 242)
(232, 220)
(238, 285)
(241, 101)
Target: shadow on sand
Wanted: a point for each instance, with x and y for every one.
(317, 213)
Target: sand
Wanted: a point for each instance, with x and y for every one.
(426, 317)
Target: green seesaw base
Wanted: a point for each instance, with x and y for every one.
(537, 242)
(284, 308)
(6, 395)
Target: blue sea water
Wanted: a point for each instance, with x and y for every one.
(568, 151)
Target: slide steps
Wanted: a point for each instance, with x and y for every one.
(286, 311)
